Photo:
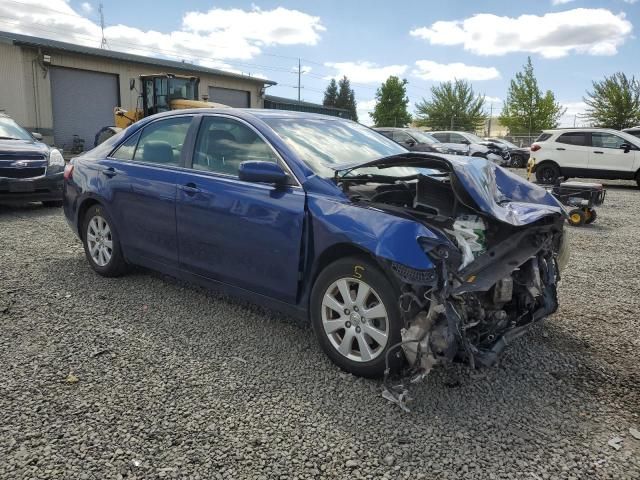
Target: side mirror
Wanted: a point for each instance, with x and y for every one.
(626, 147)
(466, 142)
(37, 136)
(410, 143)
(262, 172)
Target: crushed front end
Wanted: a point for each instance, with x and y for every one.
(496, 253)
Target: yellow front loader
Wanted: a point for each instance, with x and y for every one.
(160, 93)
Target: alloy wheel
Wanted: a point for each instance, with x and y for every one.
(355, 320)
(99, 240)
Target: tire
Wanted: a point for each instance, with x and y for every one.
(376, 334)
(638, 179)
(52, 203)
(577, 217)
(517, 161)
(547, 173)
(591, 217)
(106, 261)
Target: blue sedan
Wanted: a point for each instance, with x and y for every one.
(400, 260)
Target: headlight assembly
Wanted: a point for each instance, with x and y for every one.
(55, 157)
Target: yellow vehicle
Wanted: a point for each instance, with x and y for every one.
(160, 93)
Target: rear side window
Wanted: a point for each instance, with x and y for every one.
(442, 137)
(543, 137)
(573, 138)
(162, 141)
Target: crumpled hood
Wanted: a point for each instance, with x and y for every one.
(495, 191)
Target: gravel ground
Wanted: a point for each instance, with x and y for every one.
(146, 377)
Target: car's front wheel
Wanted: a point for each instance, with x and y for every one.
(355, 316)
(101, 243)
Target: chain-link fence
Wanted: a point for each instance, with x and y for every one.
(521, 140)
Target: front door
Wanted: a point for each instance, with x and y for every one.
(609, 159)
(142, 173)
(241, 233)
(572, 149)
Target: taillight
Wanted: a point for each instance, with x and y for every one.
(68, 171)
(535, 147)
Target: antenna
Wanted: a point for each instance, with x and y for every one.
(103, 42)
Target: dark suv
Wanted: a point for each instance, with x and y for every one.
(30, 171)
(414, 140)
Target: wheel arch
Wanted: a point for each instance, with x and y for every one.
(546, 162)
(86, 204)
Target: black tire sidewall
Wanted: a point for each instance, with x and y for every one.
(116, 265)
(582, 217)
(547, 166)
(376, 279)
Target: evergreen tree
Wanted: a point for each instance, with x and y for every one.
(346, 98)
(331, 94)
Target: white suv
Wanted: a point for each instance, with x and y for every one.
(587, 153)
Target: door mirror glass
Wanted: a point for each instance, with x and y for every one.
(257, 171)
(37, 136)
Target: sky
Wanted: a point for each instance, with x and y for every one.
(571, 42)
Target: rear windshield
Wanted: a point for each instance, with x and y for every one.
(543, 137)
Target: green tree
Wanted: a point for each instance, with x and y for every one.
(614, 102)
(331, 94)
(391, 104)
(527, 110)
(453, 105)
(347, 98)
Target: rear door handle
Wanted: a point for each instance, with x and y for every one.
(560, 148)
(597, 151)
(109, 172)
(190, 188)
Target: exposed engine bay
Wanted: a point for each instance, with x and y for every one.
(490, 281)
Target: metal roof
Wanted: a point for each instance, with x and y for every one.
(29, 41)
(302, 103)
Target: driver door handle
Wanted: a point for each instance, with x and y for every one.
(597, 151)
(108, 172)
(190, 188)
(560, 148)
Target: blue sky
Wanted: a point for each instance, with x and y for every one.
(571, 42)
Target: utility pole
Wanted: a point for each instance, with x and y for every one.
(299, 74)
(103, 42)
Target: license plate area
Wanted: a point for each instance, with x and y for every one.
(21, 187)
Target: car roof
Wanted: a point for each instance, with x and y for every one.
(580, 129)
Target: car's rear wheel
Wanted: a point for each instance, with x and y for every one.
(355, 316)
(517, 161)
(547, 173)
(101, 243)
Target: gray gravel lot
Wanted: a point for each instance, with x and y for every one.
(177, 382)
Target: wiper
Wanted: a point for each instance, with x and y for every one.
(9, 138)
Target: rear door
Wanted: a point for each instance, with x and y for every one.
(241, 233)
(571, 151)
(142, 175)
(609, 159)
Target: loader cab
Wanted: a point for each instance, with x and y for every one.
(159, 90)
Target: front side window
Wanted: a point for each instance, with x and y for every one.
(127, 149)
(606, 140)
(223, 144)
(401, 137)
(457, 138)
(441, 137)
(573, 138)
(162, 141)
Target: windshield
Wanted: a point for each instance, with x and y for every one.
(11, 130)
(473, 138)
(423, 137)
(327, 144)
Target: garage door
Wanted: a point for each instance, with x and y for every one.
(230, 97)
(83, 103)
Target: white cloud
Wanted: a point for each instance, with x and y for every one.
(441, 72)
(363, 108)
(575, 113)
(630, 1)
(365, 72)
(208, 38)
(561, 2)
(492, 100)
(594, 31)
(86, 7)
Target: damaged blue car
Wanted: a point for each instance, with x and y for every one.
(400, 260)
